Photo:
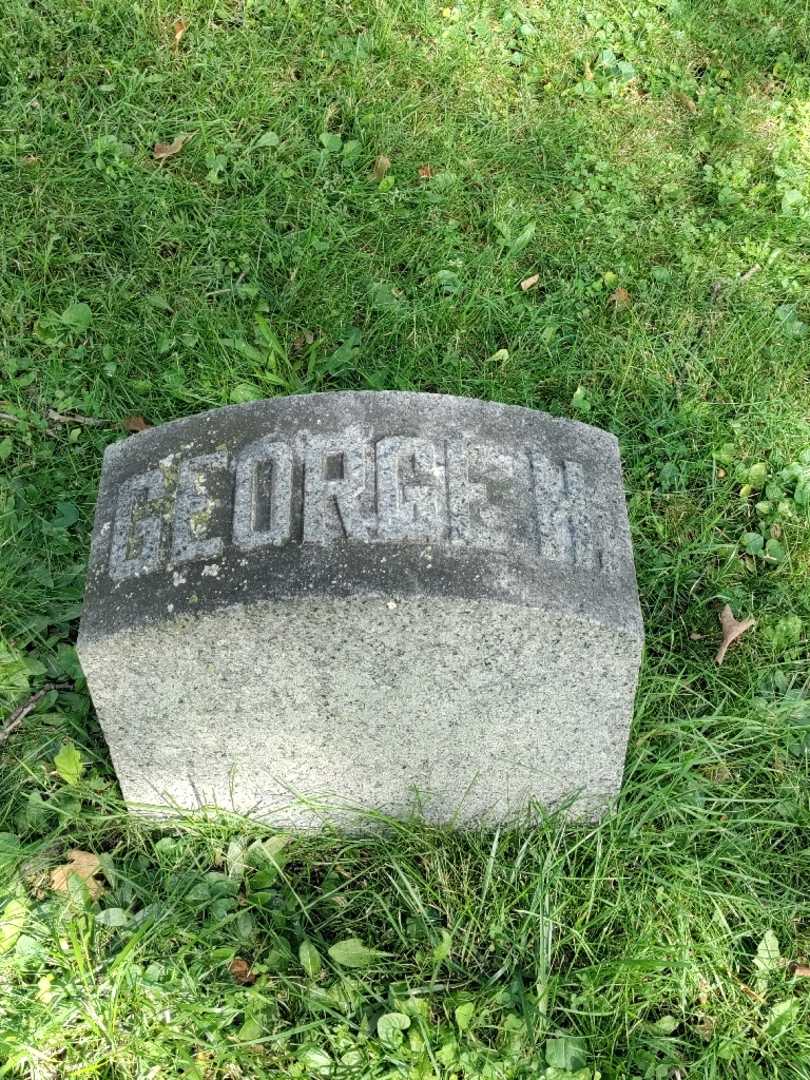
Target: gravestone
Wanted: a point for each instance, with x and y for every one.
(376, 600)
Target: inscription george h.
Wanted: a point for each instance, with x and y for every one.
(320, 489)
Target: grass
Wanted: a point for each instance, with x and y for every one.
(651, 163)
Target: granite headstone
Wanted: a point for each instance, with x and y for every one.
(390, 601)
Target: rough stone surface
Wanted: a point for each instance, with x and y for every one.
(375, 600)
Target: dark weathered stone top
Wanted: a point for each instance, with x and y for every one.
(361, 494)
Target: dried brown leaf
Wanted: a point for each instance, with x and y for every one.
(85, 865)
(801, 971)
(381, 167)
(705, 1027)
(301, 341)
(752, 994)
(718, 774)
(241, 971)
(425, 172)
(620, 298)
(529, 282)
(161, 151)
(179, 26)
(686, 102)
(732, 630)
(134, 424)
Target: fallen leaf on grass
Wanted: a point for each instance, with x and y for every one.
(425, 172)
(718, 774)
(161, 151)
(732, 630)
(752, 994)
(705, 1028)
(802, 971)
(241, 971)
(686, 102)
(302, 340)
(135, 423)
(620, 298)
(180, 26)
(85, 865)
(381, 167)
(529, 282)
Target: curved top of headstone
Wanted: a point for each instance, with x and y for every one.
(361, 493)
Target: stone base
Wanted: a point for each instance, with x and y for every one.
(461, 710)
